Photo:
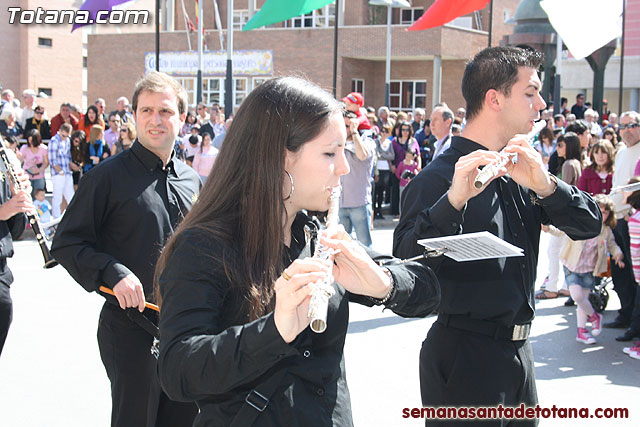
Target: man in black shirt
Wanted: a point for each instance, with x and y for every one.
(112, 234)
(579, 108)
(477, 353)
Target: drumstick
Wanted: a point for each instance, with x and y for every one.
(146, 304)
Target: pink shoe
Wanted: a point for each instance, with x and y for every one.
(635, 347)
(596, 323)
(585, 337)
(635, 354)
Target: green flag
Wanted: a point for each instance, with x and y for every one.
(274, 11)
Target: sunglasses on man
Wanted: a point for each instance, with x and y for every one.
(629, 126)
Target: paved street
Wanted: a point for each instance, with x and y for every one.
(51, 374)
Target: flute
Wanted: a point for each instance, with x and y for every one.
(33, 218)
(625, 188)
(492, 170)
(322, 290)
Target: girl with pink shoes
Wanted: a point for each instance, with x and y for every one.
(583, 262)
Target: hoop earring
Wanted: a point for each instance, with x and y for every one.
(290, 179)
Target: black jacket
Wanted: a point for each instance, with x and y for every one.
(210, 355)
(45, 131)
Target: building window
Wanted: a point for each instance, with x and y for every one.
(240, 18)
(84, 62)
(46, 90)
(257, 81)
(213, 90)
(357, 85)
(463, 22)
(43, 41)
(409, 16)
(407, 95)
(319, 18)
(240, 90)
(189, 84)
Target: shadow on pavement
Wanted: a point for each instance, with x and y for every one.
(359, 326)
(557, 354)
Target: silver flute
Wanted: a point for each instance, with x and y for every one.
(492, 170)
(625, 188)
(322, 290)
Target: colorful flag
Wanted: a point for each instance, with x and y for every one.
(274, 11)
(444, 11)
(192, 26)
(204, 40)
(93, 6)
(585, 25)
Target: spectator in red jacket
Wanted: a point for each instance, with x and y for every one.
(597, 177)
(63, 117)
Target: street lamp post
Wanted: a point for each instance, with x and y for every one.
(387, 72)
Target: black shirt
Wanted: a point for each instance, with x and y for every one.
(207, 128)
(213, 355)
(121, 216)
(501, 289)
(578, 111)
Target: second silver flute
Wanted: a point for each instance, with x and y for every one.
(322, 291)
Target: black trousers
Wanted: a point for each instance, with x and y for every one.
(136, 396)
(381, 187)
(395, 195)
(6, 313)
(623, 281)
(460, 368)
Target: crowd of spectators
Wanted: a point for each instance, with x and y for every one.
(593, 150)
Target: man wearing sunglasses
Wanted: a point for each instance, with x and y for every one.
(623, 281)
(39, 122)
(113, 132)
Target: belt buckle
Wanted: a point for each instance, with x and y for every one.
(520, 332)
(257, 400)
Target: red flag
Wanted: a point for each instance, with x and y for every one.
(444, 11)
(192, 27)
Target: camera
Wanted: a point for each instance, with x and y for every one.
(407, 175)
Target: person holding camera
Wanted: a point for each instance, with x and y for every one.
(355, 203)
(408, 169)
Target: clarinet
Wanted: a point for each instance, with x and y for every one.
(322, 291)
(33, 218)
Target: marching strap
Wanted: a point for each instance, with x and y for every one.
(257, 400)
(134, 315)
(143, 321)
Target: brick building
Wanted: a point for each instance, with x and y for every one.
(304, 46)
(577, 76)
(49, 58)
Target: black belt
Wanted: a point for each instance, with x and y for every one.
(484, 327)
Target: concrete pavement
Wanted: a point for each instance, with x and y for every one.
(51, 374)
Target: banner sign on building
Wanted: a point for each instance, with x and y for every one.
(245, 63)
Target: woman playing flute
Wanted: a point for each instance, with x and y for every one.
(234, 280)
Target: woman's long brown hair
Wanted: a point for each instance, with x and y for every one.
(241, 205)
